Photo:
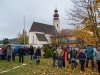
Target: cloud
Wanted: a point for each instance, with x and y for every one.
(12, 11)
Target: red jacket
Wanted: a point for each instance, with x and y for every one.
(63, 58)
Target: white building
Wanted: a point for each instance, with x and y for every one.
(40, 33)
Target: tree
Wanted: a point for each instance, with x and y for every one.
(20, 38)
(84, 37)
(86, 15)
(5, 41)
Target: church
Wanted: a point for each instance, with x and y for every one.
(39, 33)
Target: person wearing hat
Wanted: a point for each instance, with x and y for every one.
(89, 55)
(82, 58)
(38, 54)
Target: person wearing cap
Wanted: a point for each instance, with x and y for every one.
(38, 54)
(82, 58)
(97, 56)
(89, 55)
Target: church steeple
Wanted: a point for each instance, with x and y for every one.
(56, 22)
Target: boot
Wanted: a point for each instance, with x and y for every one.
(37, 62)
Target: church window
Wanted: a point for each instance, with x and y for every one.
(57, 25)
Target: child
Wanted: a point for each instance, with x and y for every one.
(73, 63)
(82, 58)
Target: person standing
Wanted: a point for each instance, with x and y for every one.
(9, 53)
(82, 58)
(1, 53)
(21, 54)
(38, 54)
(65, 56)
(97, 56)
(13, 54)
(53, 52)
(31, 54)
(89, 55)
(59, 55)
(73, 53)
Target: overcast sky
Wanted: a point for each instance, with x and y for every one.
(12, 11)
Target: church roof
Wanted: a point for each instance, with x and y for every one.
(40, 27)
(41, 37)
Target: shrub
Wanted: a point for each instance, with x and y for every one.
(47, 52)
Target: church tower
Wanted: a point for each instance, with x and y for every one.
(56, 22)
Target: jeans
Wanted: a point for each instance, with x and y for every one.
(98, 63)
(59, 61)
(38, 58)
(21, 58)
(92, 61)
(13, 57)
(31, 58)
(9, 58)
(53, 62)
(82, 66)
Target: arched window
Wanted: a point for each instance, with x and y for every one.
(57, 25)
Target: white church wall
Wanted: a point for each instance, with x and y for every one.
(32, 38)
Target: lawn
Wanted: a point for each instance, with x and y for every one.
(45, 68)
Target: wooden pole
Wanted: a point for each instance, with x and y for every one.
(65, 59)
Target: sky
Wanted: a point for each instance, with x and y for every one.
(12, 15)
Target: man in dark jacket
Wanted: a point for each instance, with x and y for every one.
(21, 54)
(53, 52)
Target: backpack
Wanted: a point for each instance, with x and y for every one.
(54, 53)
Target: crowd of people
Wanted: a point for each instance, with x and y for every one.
(8, 53)
(59, 54)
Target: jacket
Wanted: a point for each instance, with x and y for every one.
(38, 52)
(59, 52)
(1, 52)
(97, 55)
(89, 52)
(20, 51)
(82, 57)
(31, 51)
(9, 51)
(63, 58)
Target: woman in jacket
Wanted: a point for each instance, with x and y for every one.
(38, 54)
(31, 54)
(82, 58)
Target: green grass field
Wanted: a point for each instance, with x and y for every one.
(45, 68)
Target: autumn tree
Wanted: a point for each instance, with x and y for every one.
(84, 37)
(21, 36)
(86, 14)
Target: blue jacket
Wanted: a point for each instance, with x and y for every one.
(82, 57)
(14, 52)
(89, 52)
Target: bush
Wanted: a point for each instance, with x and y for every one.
(47, 52)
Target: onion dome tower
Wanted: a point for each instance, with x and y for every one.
(56, 22)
